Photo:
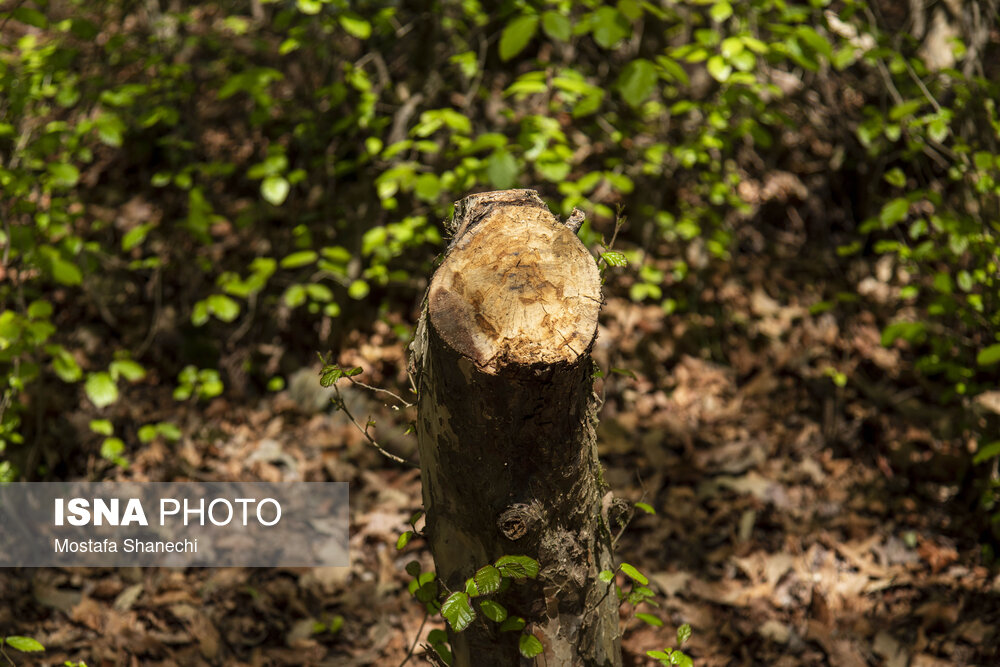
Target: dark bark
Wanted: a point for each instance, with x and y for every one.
(506, 428)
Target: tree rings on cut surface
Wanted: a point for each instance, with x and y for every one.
(517, 286)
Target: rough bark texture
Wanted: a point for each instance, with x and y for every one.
(506, 428)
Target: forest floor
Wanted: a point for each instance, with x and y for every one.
(799, 522)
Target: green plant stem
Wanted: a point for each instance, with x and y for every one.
(2, 642)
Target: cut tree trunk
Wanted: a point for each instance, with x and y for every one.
(506, 428)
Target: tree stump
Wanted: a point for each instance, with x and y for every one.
(506, 428)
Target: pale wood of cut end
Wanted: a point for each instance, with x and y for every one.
(518, 287)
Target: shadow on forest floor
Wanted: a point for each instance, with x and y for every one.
(798, 522)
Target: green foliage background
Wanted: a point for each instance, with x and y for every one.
(172, 180)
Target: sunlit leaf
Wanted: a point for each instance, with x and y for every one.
(403, 540)
(298, 259)
(988, 355)
(529, 645)
(355, 25)
(487, 580)
(634, 574)
(101, 389)
(274, 189)
(517, 566)
(23, 644)
(556, 26)
(457, 610)
(637, 81)
(609, 26)
(516, 35)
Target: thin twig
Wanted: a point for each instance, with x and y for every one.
(416, 639)
(3, 652)
(341, 405)
(399, 398)
(920, 83)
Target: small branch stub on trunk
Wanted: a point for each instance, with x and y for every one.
(506, 427)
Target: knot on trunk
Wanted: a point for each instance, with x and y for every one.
(515, 521)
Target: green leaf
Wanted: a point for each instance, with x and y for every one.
(298, 259)
(988, 355)
(614, 258)
(487, 580)
(645, 507)
(147, 433)
(223, 307)
(427, 187)
(529, 645)
(274, 189)
(23, 644)
(905, 109)
(634, 574)
(987, 452)
(680, 659)
(512, 624)
(517, 567)
(101, 389)
(64, 175)
(893, 212)
(719, 68)
(128, 369)
(516, 35)
(135, 236)
(556, 26)
(356, 26)
(683, 634)
(913, 332)
(110, 128)
(649, 619)
(310, 7)
(607, 576)
(111, 449)
(895, 177)
(199, 313)
(721, 11)
(457, 610)
(427, 591)
(320, 293)
(815, 41)
(358, 289)
(403, 540)
(330, 374)
(65, 365)
(731, 47)
(502, 170)
(40, 310)
(169, 431)
(65, 272)
(637, 81)
(609, 26)
(493, 610)
(101, 426)
(35, 18)
(938, 130)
